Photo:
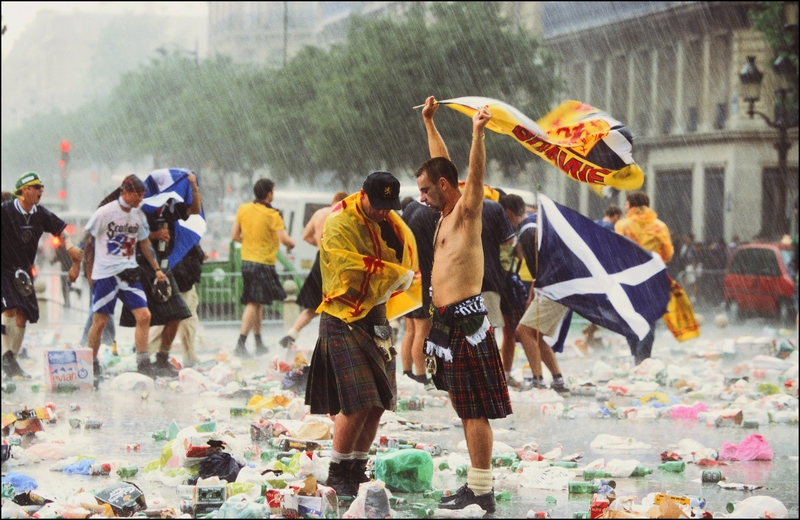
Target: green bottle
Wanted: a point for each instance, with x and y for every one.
(581, 514)
(504, 460)
(641, 471)
(160, 435)
(462, 470)
(674, 466)
(503, 495)
(444, 465)
(565, 464)
(421, 511)
(435, 494)
(127, 471)
(583, 487)
(591, 474)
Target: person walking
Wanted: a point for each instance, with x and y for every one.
(422, 222)
(367, 254)
(542, 315)
(461, 348)
(260, 229)
(24, 221)
(119, 226)
(641, 224)
(311, 294)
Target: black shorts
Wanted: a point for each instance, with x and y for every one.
(261, 284)
(13, 300)
(311, 294)
(161, 313)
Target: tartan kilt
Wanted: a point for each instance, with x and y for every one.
(348, 373)
(311, 294)
(161, 313)
(27, 305)
(261, 284)
(475, 378)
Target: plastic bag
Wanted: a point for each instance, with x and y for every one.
(133, 381)
(687, 412)
(408, 471)
(79, 467)
(242, 506)
(754, 447)
(372, 501)
(758, 507)
(22, 483)
(221, 465)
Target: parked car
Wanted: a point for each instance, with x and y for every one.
(758, 282)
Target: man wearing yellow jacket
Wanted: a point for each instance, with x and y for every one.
(370, 275)
(641, 224)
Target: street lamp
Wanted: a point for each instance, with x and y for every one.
(750, 78)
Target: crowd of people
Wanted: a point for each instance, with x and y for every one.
(465, 261)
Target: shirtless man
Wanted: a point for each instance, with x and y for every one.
(461, 349)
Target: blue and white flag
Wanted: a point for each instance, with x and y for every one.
(605, 277)
(170, 185)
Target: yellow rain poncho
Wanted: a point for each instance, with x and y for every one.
(360, 271)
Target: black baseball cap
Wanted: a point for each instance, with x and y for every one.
(383, 190)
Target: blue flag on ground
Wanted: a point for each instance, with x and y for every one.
(169, 185)
(605, 277)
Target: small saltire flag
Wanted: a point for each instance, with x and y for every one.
(167, 186)
(605, 277)
(580, 140)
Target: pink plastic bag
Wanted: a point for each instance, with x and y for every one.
(754, 447)
(687, 412)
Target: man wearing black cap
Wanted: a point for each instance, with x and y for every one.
(118, 227)
(23, 223)
(367, 254)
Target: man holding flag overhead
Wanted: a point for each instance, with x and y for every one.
(172, 197)
(370, 275)
(462, 353)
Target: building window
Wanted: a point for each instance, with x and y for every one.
(692, 119)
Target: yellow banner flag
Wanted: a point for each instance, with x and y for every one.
(353, 283)
(680, 319)
(580, 140)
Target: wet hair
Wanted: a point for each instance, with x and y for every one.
(638, 198)
(339, 195)
(613, 211)
(514, 204)
(7, 195)
(262, 188)
(406, 201)
(438, 167)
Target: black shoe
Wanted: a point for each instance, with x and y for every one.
(23, 354)
(286, 342)
(340, 479)
(241, 351)
(559, 386)
(11, 368)
(163, 367)
(460, 491)
(261, 349)
(98, 372)
(146, 368)
(422, 378)
(358, 471)
(465, 497)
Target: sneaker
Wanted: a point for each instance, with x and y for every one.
(286, 342)
(261, 349)
(560, 387)
(340, 479)
(11, 367)
(522, 386)
(163, 366)
(465, 497)
(241, 351)
(146, 368)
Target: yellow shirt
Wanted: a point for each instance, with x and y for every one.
(260, 226)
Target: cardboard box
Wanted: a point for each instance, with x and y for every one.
(69, 367)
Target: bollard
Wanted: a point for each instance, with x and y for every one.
(291, 310)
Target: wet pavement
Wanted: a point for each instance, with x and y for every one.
(128, 418)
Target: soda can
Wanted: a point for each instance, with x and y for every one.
(93, 424)
(711, 475)
(100, 469)
(133, 447)
(537, 514)
(74, 407)
(75, 423)
(434, 449)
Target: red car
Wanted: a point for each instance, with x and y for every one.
(757, 282)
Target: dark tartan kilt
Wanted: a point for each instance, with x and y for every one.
(347, 372)
(311, 294)
(27, 305)
(160, 313)
(261, 284)
(475, 378)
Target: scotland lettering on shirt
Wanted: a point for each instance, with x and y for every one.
(116, 235)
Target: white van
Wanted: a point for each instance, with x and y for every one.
(297, 208)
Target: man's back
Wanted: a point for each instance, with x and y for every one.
(259, 223)
(496, 230)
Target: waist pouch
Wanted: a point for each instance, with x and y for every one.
(23, 283)
(130, 276)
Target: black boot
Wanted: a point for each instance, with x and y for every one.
(359, 471)
(241, 351)
(339, 478)
(11, 368)
(97, 369)
(260, 348)
(163, 367)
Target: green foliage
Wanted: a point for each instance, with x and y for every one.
(768, 19)
(327, 116)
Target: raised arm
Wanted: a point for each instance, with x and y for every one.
(473, 188)
(197, 200)
(435, 142)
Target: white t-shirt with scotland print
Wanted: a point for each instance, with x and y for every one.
(116, 234)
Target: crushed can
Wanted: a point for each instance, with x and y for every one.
(133, 447)
(261, 431)
(208, 499)
(99, 468)
(93, 424)
(75, 423)
(711, 476)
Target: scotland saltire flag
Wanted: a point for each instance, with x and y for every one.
(605, 277)
(172, 184)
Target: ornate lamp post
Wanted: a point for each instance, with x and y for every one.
(750, 78)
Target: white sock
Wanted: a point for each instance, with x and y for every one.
(293, 333)
(479, 480)
(360, 455)
(340, 457)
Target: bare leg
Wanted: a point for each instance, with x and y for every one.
(168, 334)
(480, 439)
(422, 327)
(530, 344)
(508, 345)
(304, 318)
(249, 317)
(356, 431)
(259, 317)
(96, 331)
(407, 345)
(142, 316)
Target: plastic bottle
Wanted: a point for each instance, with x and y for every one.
(127, 472)
(462, 470)
(591, 474)
(565, 464)
(641, 471)
(435, 494)
(503, 495)
(582, 487)
(757, 507)
(673, 466)
(421, 511)
(504, 460)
